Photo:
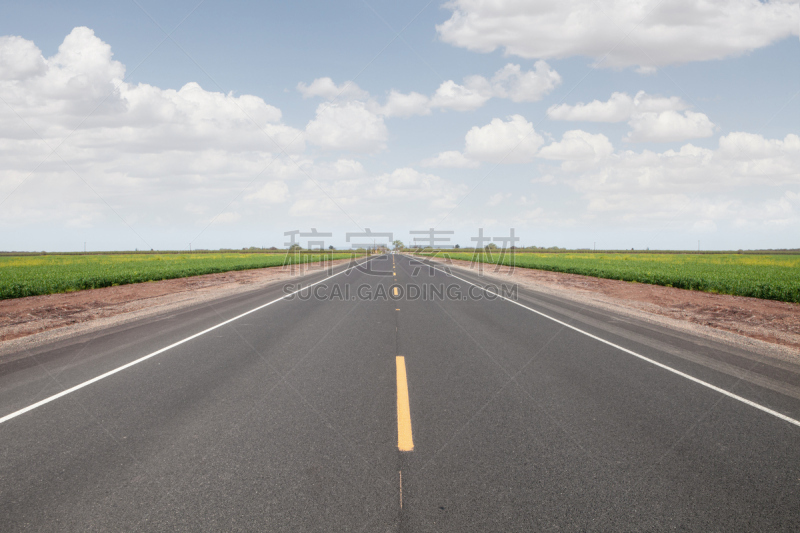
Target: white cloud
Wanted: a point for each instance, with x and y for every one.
(669, 126)
(273, 192)
(697, 189)
(350, 126)
(450, 159)
(511, 82)
(511, 141)
(703, 186)
(577, 145)
(153, 154)
(346, 168)
(472, 95)
(325, 88)
(618, 108)
(644, 33)
(648, 103)
(405, 105)
(508, 82)
(326, 171)
(651, 118)
(82, 87)
(750, 146)
(20, 59)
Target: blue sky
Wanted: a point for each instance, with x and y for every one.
(104, 142)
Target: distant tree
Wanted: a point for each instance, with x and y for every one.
(457, 246)
(331, 247)
(398, 244)
(294, 247)
(491, 246)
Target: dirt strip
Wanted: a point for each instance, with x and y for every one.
(29, 322)
(767, 327)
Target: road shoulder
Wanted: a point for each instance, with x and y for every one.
(27, 323)
(765, 327)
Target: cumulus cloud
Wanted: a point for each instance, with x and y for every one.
(655, 33)
(669, 126)
(327, 89)
(20, 59)
(511, 141)
(350, 126)
(742, 146)
(450, 159)
(704, 185)
(405, 105)
(578, 145)
(473, 94)
(651, 118)
(618, 108)
(81, 87)
(698, 182)
(151, 153)
(509, 82)
(648, 103)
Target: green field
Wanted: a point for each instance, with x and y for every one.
(772, 277)
(33, 275)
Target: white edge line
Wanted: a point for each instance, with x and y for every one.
(642, 357)
(162, 350)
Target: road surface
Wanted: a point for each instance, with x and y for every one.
(347, 411)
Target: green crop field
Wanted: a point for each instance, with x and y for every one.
(772, 277)
(46, 274)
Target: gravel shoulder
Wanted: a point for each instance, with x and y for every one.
(766, 327)
(30, 322)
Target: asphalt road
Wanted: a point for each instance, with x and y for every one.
(543, 416)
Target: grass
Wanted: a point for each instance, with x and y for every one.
(47, 274)
(771, 277)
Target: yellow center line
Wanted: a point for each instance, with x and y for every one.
(405, 442)
(395, 291)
